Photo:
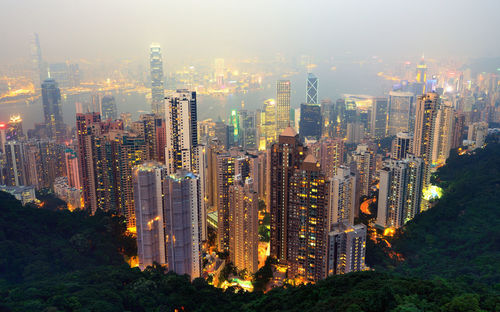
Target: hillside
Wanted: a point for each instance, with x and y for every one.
(460, 237)
(63, 261)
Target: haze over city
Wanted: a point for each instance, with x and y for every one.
(249, 155)
(116, 30)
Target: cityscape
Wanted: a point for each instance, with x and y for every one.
(252, 173)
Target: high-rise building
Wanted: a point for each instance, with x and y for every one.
(285, 157)
(378, 121)
(425, 128)
(157, 87)
(72, 169)
(181, 129)
(331, 155)
(148, 197)
(268, 124)
(151, 128)
(95, 158)
(400, 191)
(283, 94)
(312, 89)
(244, 225)
(310, 121)
(443, 135)
(458, 130)
(219, 72)
(364, 159)
(342, 199)
(128, 150)
(346, 248)
(182, 223)
(477, 133)
(39, 70)
(401, 145)
(51, 100)
(17, 170)
(400, 112)
(225, 179)
(248, 129)
(166, 209)
(306, 221)
(108, 107)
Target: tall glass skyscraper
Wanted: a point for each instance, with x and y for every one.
(157, 88)
(283, 104)
(51, 100)
(312, 89)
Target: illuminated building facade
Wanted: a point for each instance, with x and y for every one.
(443, 135)
(342, 201)
(285, 156)
(244, 225)
(181, 130)
(225, 179)
(157, 87)
(346, 248)
(268, 123)
(166, 209)
(401, 145)
(17, 171)
(307, 222)
(72, 169)
(364, 159)
(331, 155)
(283, 93)
(400, 191)
(425, 131)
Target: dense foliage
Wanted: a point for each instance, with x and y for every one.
(62, 261)
(459, 238)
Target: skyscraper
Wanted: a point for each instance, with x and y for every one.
(364, 158)
(401, 145)
(157, 87)
(425, 128)
(443, 135)
(285, 156)
(400, 191)
(331, 155)
(244, 225)
(283, 93)
(148, 194)
(182, 223)
(400, 110)
(225, 179)
(342, 199)
(17, 170)
(346, 248)
(310, 121)
(39, 70)
(166, 209)
(51, 100)
(312, 89)
(268, 122)
(108, 107)
(182, 130)
(378, 121)
(306, 221)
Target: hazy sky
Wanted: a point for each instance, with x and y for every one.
(123, 29)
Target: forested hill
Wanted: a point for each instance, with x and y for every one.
(460, 237)
(63, 261)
